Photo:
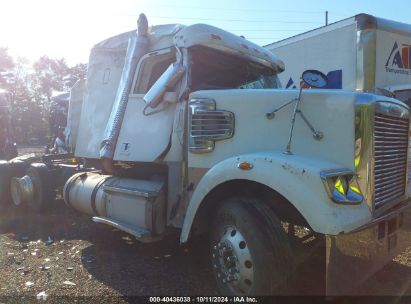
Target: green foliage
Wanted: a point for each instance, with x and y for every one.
(31, 88)
(6, 64)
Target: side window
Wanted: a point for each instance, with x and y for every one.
(151, 68)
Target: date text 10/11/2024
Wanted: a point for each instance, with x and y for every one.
(205, 299)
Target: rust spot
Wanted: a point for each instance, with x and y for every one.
(293, 170)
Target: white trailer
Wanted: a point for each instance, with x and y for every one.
(362, 53)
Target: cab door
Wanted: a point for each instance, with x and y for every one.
(145, 137)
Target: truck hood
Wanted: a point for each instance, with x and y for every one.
(329, 111)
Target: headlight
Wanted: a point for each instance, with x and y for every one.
(342, 186)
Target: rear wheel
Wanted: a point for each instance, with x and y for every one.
(5, 176)
(42, 186)
(8, 170)
(251, 254)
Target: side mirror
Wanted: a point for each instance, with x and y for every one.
(314, 79)
(166, 81)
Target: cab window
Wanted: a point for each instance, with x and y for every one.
(151, 68)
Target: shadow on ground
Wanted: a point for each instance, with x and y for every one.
(116, 259)
(127, 267)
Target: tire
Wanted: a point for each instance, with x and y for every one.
(7, 171)
(18, 167)
(42, 187)
(5, 176)
(250, 251)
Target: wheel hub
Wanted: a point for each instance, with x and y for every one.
(232, 261)
(21, 189)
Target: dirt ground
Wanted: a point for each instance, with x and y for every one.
(65, 254)
(99, 260)
(59, 254)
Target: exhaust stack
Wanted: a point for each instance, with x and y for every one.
(137, 46)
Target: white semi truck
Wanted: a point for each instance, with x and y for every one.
(188, 128)
(362, 53)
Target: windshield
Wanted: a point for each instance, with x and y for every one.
(263, 82)
(404, 96)
(211, 69)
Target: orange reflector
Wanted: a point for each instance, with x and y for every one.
(245, 166)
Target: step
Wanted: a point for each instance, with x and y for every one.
(129, 191)
(138, 232)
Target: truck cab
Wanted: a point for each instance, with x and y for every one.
(188, 128)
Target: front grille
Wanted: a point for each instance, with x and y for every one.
(391, 149)
(209, 124)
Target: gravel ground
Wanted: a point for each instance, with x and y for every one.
(99, 260)
(64, 254)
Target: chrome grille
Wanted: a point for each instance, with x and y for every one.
(214, 125)
(391, 149)
(208, 125)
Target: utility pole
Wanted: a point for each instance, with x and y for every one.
(326, 17)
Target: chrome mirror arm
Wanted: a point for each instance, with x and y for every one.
(318, 135)
(271, 115)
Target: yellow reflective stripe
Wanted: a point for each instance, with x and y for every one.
(338, 185)
(355, 189)
(357, 162)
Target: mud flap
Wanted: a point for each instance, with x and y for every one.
(354, 257)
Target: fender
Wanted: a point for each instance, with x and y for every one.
(295, 177)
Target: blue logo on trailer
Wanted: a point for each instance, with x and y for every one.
(399, 61)
(334, 81)
(290, 84)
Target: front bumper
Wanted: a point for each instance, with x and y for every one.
(352, 258)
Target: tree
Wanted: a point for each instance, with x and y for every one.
(31, 89)
(6, 65)
(27, 113)
(48, 76)
(79, 71)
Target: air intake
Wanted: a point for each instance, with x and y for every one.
(208, 125)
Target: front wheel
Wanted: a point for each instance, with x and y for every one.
(250, 251)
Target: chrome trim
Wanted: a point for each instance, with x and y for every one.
(351, 198)
(366, 58)
(368, 145)
(392, 108)
(391, 124)
(364, 143)
(208, 125)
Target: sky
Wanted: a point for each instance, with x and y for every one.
(68, 29)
